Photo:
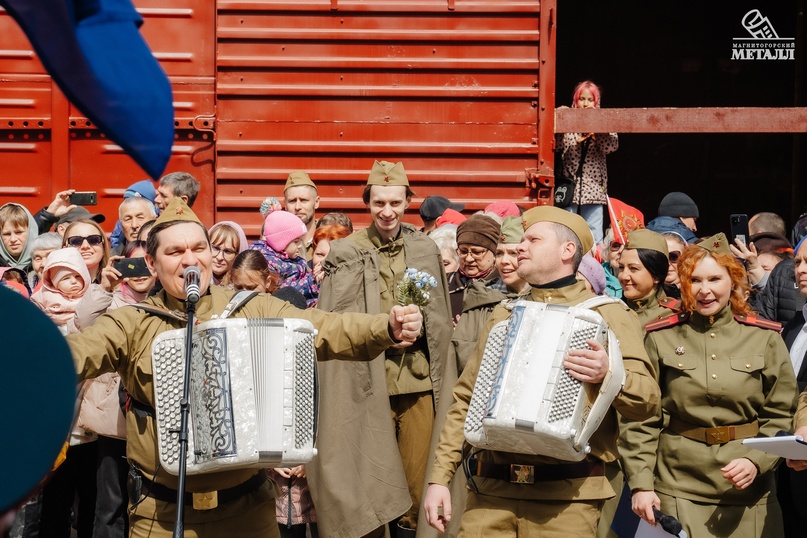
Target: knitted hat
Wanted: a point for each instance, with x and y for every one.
(450, 216)
(503, 209)
(78, 213)
(281, 228)
(644, 238)
(298, 178)
(548, 213)
(434, 206)
(678, 204)
(717, 244)
(386, 173)
(594, 273)
(480, 231)
(177, 210)
(511, 231)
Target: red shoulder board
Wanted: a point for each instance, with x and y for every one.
(755, 321)
(669, 321)
(670, 302)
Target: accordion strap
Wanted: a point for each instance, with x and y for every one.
(598, 301)
(239, 299)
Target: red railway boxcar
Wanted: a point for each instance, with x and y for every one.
(461, 91)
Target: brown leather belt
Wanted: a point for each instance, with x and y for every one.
(530, 474)
(203, 500)
(718, 435)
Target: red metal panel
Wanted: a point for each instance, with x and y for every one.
(453, 93)
(16, 53)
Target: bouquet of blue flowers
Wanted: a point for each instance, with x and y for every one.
(414, 287)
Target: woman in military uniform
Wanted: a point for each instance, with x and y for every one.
(643, 268)
(723, 378)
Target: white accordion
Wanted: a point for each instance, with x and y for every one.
(253, 394)
(524, 401)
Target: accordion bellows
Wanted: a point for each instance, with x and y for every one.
(524, 401)
(253, 396)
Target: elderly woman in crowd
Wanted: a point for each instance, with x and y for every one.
(724, 377)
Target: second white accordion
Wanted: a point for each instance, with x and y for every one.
(253, 395)
(524, 401)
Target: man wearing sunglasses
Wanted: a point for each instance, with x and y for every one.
(236, 502)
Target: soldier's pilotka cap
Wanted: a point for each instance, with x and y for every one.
(386, 173)
(573, 221)
(297, 178)
(511, 231)
(177, 211)
(644, 238)
(717, 244)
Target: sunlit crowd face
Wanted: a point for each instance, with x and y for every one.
(181, 246)
(14, 238)
(636, 280)
(91, 249)
(387, 207)
(711, 286)
(303, 201)
(475, 261)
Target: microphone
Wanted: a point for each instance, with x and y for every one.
(668, 523)
(192, 278)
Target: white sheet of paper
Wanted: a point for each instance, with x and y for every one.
(791, 446)
(646, 530)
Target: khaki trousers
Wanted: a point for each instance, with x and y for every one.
(761, 520)
(487, 516)
(251, 516)
(413, 415)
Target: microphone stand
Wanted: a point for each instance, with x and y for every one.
(184, 411)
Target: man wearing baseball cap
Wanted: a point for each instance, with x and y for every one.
(559, 498)
(432, 208)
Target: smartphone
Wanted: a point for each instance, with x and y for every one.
(84, 198)
(132, 267)
(739, 228)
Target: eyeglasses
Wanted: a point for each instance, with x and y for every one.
(228, 253)
(674, 255)
(615, 246)
(92, 240)
(476, 253)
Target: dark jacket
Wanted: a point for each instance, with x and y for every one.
(792, 485)
(671, 224)
(780, 299)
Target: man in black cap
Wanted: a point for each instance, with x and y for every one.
(677, 213)
(432, 208)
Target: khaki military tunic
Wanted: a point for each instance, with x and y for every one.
(121, 341)
(650, 308)
(713, 371)
(638, 400)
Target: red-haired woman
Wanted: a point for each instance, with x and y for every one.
(589, 192)
(724, 377)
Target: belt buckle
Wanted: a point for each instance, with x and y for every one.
(522, 474)
(206, 500)
(718, 435)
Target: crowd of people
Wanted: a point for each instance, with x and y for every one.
(697, 320)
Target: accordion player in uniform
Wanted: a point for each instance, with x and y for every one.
(527, 495)
(237, 502)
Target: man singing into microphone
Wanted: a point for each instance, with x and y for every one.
(121, 341)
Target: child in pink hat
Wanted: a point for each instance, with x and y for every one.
(282, 246)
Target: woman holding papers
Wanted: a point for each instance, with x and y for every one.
(724, 377)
